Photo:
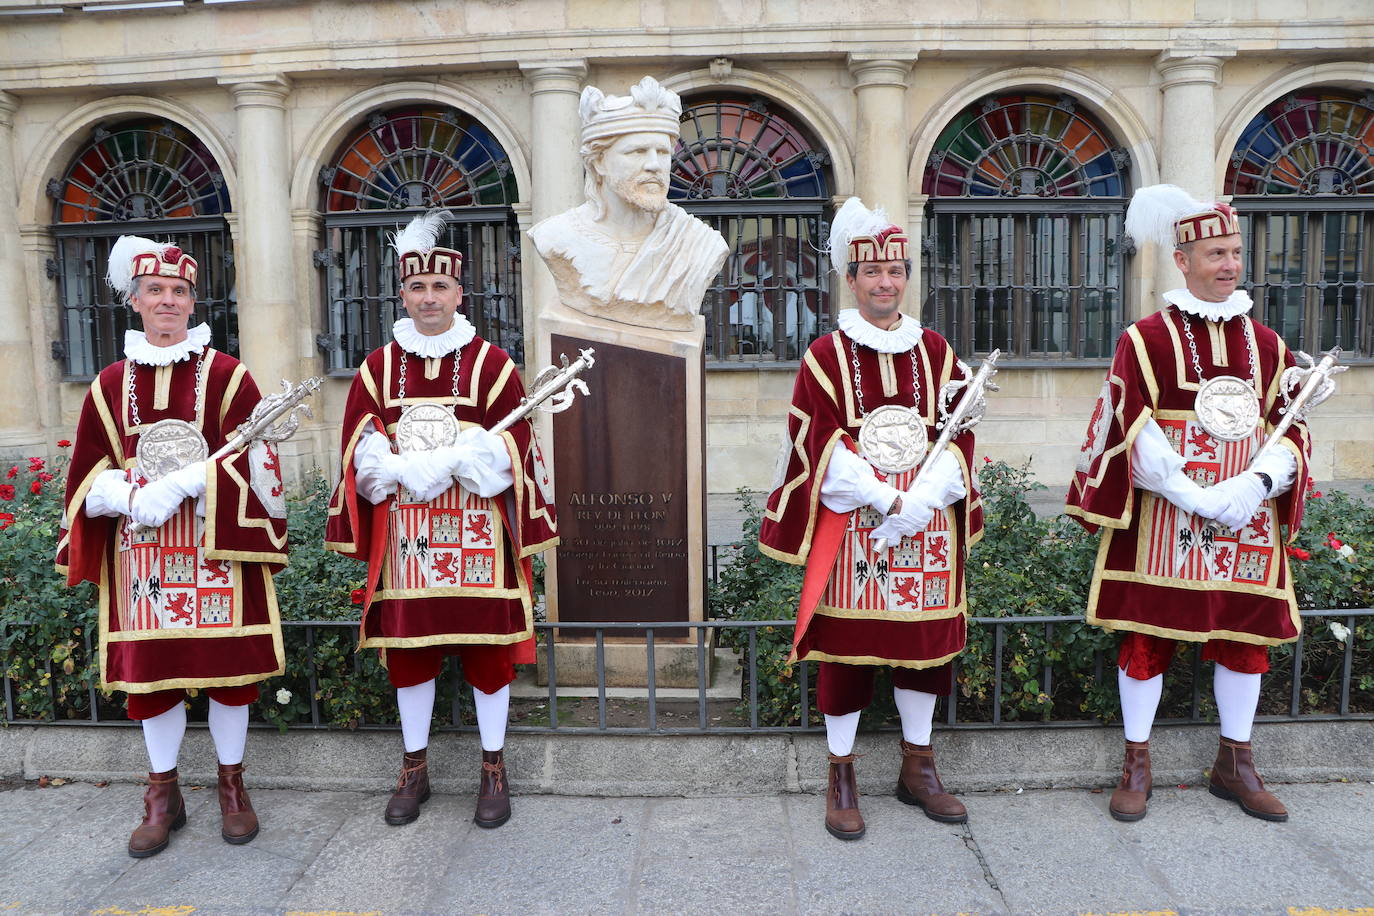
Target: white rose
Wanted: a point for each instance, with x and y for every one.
(283, 696)
(1346, 551)
(1340, 631)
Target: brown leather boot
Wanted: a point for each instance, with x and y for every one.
(239, 822)
(1234, 779)
(412, 788)
(164, 811)
(1128, 801)
(493, 792)
(842, 817)
(919, 784)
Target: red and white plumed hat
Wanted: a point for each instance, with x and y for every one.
(417, 252)
(1168, 215)
(132, 256)
(860, 234)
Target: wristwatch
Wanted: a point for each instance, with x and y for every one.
(1267, 480)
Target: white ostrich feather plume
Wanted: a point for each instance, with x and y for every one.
(851, 221)
(420, 234)
(119, 272)
(1154, 210)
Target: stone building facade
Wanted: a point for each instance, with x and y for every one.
(281, 140)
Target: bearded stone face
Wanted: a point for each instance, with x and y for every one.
(635, 168)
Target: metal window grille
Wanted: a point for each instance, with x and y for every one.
(1032, 283)
(743, 166)
(148, 178)
(1023, 247)
(362, 288)
(1302, 176)
(394, 166)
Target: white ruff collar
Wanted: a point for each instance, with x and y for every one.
(137, 348)
(433, 346)
(903, 337)
(1238, 303)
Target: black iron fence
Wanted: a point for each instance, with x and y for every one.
(745, 709)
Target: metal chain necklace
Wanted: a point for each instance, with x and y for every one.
(405, 358)
(1226, 406)
(426, 426)
(892, 438)
(134, 418)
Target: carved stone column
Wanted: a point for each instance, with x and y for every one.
(1187, 146)
(272, 323)
(880, 148)
(555, 177)
(19, 423)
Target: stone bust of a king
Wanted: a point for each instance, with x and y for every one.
(627, 254)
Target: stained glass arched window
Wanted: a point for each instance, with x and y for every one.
(397, 163)
(1023, 247)
(144, 177)
(748, 167)
(1302, 177)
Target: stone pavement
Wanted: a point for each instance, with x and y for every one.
(1037, 851)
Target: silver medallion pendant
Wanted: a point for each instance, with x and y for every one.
(893, 439)
(167, 446)
(425, 427)
(1228, 408)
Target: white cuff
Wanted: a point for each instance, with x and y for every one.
(1153, 460)
(485, 467)
(1282, 467)
(109, 495)
(849, 483)
(377, 473)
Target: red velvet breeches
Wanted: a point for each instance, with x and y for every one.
(147, 705)
(1143, 656)
(488, 668)
(842, 689)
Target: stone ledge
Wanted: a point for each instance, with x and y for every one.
(971, 759)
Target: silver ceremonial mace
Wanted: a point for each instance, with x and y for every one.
(558, 386)
(965, 415)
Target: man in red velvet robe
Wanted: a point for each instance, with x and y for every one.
(902, 607)
(1193, 532)
(448, 521)
(184, 562)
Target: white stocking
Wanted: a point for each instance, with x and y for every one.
(840, 732)
(416, 705)
(229, 728)
(162, 736)
(492, 712)
(1237, 698)
(918, 713)
(1139, 702)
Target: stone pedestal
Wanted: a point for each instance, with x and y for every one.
(629, 481)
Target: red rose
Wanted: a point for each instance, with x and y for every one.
(13, 473)
(1298, 553)
(6, 492)
(357, 596)
(987, 460)
(44, 476)
(1316, 494)
(64, 443)
(5, 519)
(36, 486)
(35, 464)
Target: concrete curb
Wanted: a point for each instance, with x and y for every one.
(971, 759)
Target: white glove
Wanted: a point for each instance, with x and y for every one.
(1244, 494)
(378, 467)
(482, 462)
(1210, 502)
(913, 518)
(849, 483)
(109, 495)
(1281, 465)
(155, 503)
(427, 474)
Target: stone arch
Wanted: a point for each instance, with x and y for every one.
(1346, 74)
(70, 132)
(324, 140)
(814, 115)
(1116, 114)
